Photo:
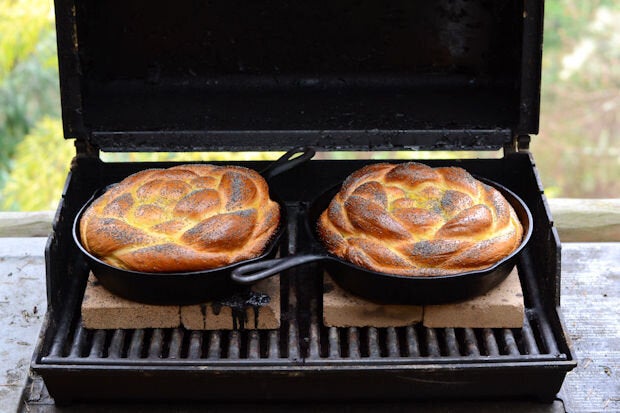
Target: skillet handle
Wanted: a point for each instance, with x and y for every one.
(250, 273)
(285, 163)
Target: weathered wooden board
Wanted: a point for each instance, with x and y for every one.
(586, 220)
(590, 305)
(26, 224)
(591, 308)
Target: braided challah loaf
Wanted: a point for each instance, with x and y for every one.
(411, 219)
(185, 218)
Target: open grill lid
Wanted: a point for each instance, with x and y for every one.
(352, 75)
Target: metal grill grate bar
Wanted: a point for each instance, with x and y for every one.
(233, 345)
(195, 345)
(274, 347)
(60, 339)
(334, 343)
(432, 345)
(155, 347)
(354, 340)
(510, 344)
(116, 344)
(393, 346)
(96, 351)
(413, 347)
(253, 345)
(470, 343)
(490, 343)
(79, 340)
(537, 313)
(293, 342)
(315, 339)
(214, 345)
(531, 347)
(452, 345)
(136, 344)
(176, 344)
(374, 350)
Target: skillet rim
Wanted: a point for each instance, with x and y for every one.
(274, 242)
(312, 222)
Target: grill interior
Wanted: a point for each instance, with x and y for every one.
(303, 352)
(303, 338)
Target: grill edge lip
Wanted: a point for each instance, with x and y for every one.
(318, 365)
(529, 225)
(274, 242)
(178, 288)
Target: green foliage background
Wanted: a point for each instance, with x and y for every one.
(42, 163)
(28, 74)
(577, 150)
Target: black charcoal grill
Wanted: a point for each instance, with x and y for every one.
(351, 75)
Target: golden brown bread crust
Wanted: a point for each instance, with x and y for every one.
(411, 219)
(185, 218)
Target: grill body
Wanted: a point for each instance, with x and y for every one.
(354, 75)
(304, 359)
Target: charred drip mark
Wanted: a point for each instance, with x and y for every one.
(203, 312)
(239, 304)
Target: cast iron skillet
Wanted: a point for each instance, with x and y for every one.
(391, 288)
(184, 288)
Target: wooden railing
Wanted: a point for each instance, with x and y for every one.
(577, 220)
(586, 220)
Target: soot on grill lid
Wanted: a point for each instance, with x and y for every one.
(221, 75)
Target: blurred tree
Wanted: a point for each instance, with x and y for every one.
(578, 149)
(38, 173)
(28, 72)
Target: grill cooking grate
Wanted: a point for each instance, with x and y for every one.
(302, 337)
(346, 344)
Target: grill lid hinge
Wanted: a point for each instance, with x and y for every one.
(85, 149)
(519, 143)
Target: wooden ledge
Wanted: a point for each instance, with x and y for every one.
(586, 220)
(577, 220)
